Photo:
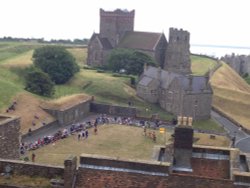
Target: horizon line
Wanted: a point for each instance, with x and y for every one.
(220, 46)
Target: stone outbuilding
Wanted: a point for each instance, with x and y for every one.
(179, 94)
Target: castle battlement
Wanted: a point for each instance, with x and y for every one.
(117, 13)
(178, 35)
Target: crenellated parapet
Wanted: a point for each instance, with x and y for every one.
(178, 36)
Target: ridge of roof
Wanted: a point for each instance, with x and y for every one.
(140, 40)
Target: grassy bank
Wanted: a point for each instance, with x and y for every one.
(103, 86)
(231, 95)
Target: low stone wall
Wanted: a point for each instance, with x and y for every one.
(102, 161)
(41, 129)
(72, 114)
(31, 169)
(112, 109)
(12, 186)
(98, 171)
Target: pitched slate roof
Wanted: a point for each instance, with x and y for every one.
(198, 83)
(145, 81)
(104, 42)
(166, 78)
(140, 40)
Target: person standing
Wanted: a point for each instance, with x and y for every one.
(87, 133)
(154, 136)
(95, 130)
(33, 157)
(83, 134)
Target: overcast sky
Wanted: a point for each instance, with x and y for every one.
(215, 22)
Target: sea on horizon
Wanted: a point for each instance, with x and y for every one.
(218, 51)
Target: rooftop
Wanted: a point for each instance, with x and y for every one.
(140, 40)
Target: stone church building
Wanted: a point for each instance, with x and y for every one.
(172, 86)
(117, 31)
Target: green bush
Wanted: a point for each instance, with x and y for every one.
(39, 83)
(57, 62)
(132, 62)
(89, 68)
(100, 71)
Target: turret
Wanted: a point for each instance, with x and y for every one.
(177, 58)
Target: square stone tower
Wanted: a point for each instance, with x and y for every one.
(177, 58)
(114, 24)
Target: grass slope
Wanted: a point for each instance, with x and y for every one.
(200, 65)
(103, 86)
(80, 55)
(231, 95)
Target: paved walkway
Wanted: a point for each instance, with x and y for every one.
(242, 140)
(52, 130)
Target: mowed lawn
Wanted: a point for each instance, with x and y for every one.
(121, 141)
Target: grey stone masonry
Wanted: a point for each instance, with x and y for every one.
(240, 63)
(114, 24)
(9, 137)
(177, 58)
(70, 165)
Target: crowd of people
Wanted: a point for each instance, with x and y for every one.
(82, 130)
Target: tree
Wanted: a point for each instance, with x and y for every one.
(39, 82)
(129, 60)
(57, 62)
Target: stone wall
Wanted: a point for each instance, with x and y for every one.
(70, 166)
(112, 109)
(113, 24)
(197, 105)
(11, 186)
(95, 52)
(160, 51)
(9, 137)
(100, 178)
(240, 63)
(211, 168)
(31, 169)
(177, 58)
(96, 171)
(72, 114)
(38, 131)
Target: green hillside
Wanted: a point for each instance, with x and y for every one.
(200, 65)
(103, 86)
(231, 95)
